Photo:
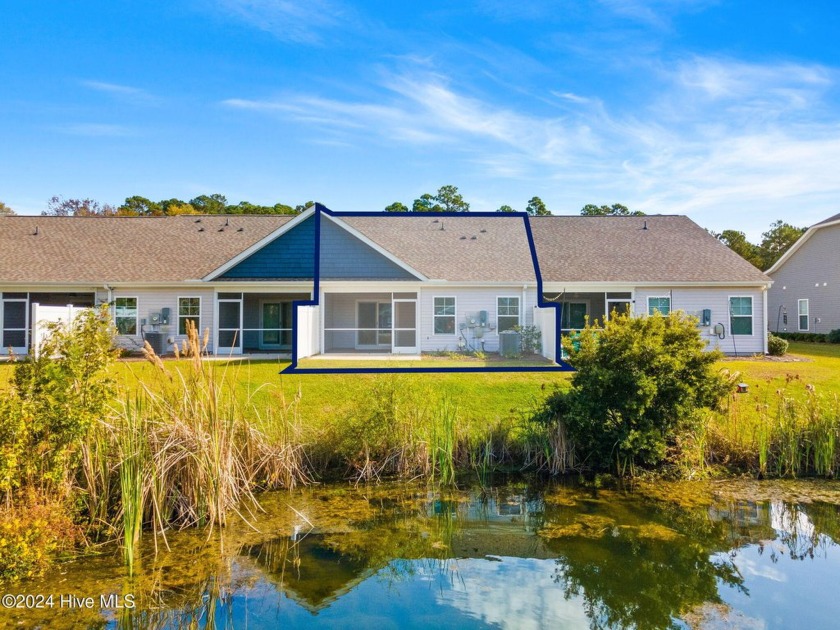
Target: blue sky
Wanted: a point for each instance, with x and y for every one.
(727, 112)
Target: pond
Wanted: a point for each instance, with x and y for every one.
(516, 555)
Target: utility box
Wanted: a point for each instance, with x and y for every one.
(510, 343)
(157, 340)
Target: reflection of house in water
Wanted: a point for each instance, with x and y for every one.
(319, 569)
(493, 506)
(748, 521)
(309, 571)
(787, 526)
(742, 513)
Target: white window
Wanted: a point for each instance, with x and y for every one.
(189, 308)
(661, 304)
(444, 315)
(507, 313)
(741, 315)
(125, 315)
(803, 314)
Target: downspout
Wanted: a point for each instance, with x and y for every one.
(522, 319)
(764, 320)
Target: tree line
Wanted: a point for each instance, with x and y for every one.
(137, 206)
(448, 199)
(774, 243)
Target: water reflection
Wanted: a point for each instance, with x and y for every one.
(513, 556)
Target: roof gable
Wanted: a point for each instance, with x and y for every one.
(830, 221)
(289, 255)
(345, 254)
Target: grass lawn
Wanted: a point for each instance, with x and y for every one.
(816, 364)
(481, 398)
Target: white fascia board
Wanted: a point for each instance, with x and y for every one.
(260, 244)
(473, 284)
(354, 232)
(581, 287)
(267, 287)
(32, 287)
(369, 286)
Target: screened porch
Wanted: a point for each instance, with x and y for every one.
(370, 323)
(593, 307)
(255, 322)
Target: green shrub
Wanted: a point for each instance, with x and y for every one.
(531, 339)
(776, 346)
(55, 397)
(639, 381)
(803, 336)
(834, 336)
(31, 534)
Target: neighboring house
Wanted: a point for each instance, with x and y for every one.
(806, 282)
(325, 283)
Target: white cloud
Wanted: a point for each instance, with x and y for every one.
(719, 139)
(784, 85)
(121, 92)
(656, 13)
(569, 96)
(299, 21)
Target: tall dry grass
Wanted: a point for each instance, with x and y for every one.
(190, 453)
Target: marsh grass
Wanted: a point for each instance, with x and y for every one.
(789, 433)
(189, 452)
(444, 441)
(132, 449)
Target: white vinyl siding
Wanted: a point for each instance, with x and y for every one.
(151, 301)
(804, 313)
(741, 315)
(659, 304)
(470, 301)
(507, 313)
(126, 315)
(444, 316)
(716, 299)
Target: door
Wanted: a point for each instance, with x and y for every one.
(405, 326)
(15, 330)
(275, 325)
(230, 327)
(574, 315)
(373, 325)
(619, 306)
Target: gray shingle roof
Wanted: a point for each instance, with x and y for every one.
(836, 217)
(124, 249)
(467, 249)
(619, 249)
